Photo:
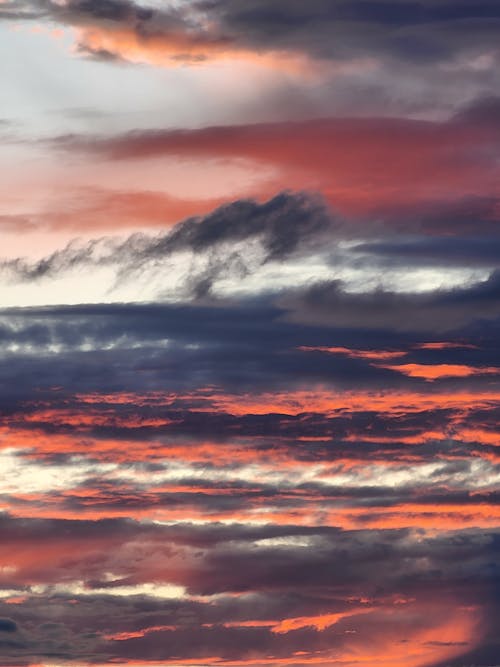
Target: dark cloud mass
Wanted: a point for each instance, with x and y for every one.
(307, 470)
(417, 31)
(284, 225)
(6, 625)
(414, 31)
(151, 414)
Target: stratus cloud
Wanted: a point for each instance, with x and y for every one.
(327, 303)
(236, 442)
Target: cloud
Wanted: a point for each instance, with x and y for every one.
(448, 310)
(216, 482)
(390, 58)
(285, 577)
(437, 251)
(220, 242)
(397, 172)
(19, 10)
(7, 625)
(299, 242)
(290, 456)
(416, 32)
(419, 31)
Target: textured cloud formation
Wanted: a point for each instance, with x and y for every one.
(418, 32)
(307, 470)
(438, 178)
(249, 334)
(287, 225)
(159, 628)
(246, 239)
(423, 59)
(423, 162)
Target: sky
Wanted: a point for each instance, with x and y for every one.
(249, 333)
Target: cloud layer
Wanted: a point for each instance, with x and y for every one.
(249, 333)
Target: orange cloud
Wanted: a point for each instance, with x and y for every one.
(431, 634)
(445, 346)
(174, 48)
(362, 166)
(436, 371)
(123, 636)
(424, 165)
(319, 623)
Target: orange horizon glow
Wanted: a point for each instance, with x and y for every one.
(424, 647)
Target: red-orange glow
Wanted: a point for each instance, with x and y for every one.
(480, 435)
(438, 633)
(106, 417)
(320, 622)
(100, 411)
(317, 399)
(435, 371)
(307, 474)
(286, 625)
(167, 50)
(18, 599)
(127, 210)
(402, 515)
(445, 346)
(330, 401)
(344, 158)
(123, 636)
(357, 354)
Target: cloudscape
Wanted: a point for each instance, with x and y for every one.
(250, 333)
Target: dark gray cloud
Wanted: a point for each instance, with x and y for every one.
(340, 572)
(417, 31)
(264, 573)
(458, 251)
(101, 10)
(286, 224)
(246, 345)
(227, 563)
(74, 11)
(411, 30)
(20, 10)
(239, 239)
(237, 348)
(462, 216)
(393, 47)
(484, 111)
(447, 309)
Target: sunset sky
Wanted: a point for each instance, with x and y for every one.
(250, 333)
